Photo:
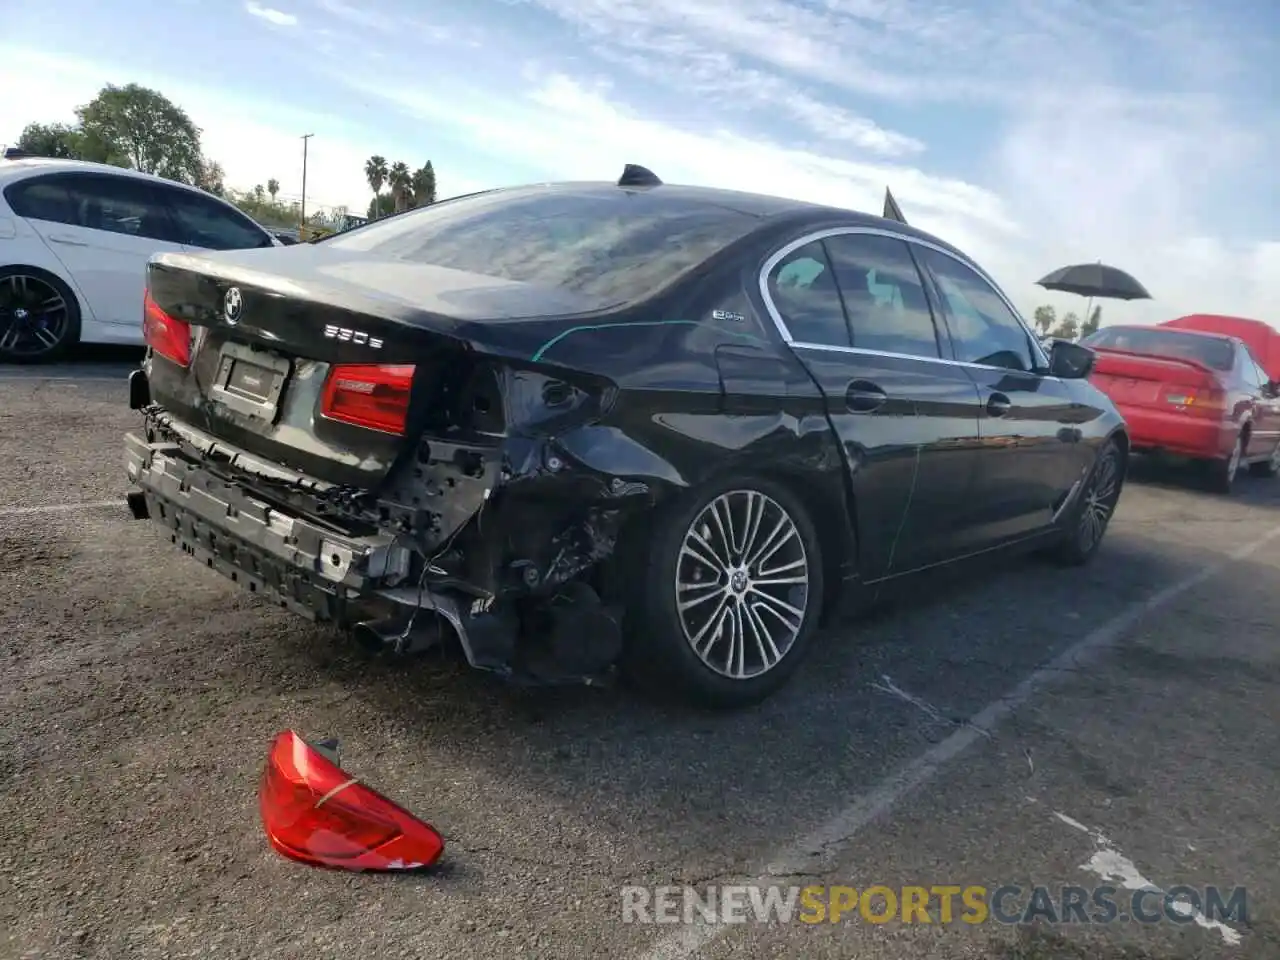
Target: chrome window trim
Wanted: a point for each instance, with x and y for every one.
(794, 245)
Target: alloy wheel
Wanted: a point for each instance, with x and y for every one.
(1233, 465)
(34, 316)
(742, 584)
(1100, 499)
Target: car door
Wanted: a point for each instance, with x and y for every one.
(1032, 459)
(205, 223)
(107, 226)
(1266, 406)
(855, 312)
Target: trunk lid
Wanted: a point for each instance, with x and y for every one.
(266, 331)
(1144, 380)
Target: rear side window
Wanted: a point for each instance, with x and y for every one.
(606, 246)
(883, 295)
(803, 289)
(1214, 352)
(117, 204)
(42, 198)
(205, 223)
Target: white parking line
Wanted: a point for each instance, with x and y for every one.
(807, 855)
(11, 378)
(58, 508)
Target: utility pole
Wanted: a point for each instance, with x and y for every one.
(302, 226)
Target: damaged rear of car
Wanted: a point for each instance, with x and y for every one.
(467, 422)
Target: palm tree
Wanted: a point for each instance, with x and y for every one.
(375, 171)
(401, 183)
(424, 185)
(273, 187)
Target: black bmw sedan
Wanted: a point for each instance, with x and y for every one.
(568, 429)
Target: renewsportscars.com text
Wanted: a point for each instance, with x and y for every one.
(934, 904)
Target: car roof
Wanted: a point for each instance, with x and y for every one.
(765, 207)
(1180, 331)
(13, 170)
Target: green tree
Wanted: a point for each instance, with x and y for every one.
(382, 205)
(401, 183)
(375, 172)
(273, 188)
(57, 140)
(211, 177)
(1068, 327)
(139, 127)
(1045, 319)
(424, 185)
(1093, 323)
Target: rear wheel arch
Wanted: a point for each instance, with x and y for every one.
(838, 541)
(657, 653)
(66, 286)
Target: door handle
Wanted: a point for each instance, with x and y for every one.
(69, 241)
(998, 405)
(863, 396)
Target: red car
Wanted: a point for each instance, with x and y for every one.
(1262, 339)
(1192, 394)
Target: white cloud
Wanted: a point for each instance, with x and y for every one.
(1071, 166)
(254, 140)
(271, 15)
(1103, 197)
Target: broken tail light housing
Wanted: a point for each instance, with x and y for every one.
(316, 813)
(166, 335)
(374, 396)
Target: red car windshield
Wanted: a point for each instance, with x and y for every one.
(1215, 352)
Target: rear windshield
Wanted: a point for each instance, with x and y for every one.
(1211, 351)
(606, 245)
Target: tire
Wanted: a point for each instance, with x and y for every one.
(1269, 467)
(1223, 473)
(1095, 507)
(22, 291)
(661, 657)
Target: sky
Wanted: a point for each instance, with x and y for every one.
(1143, 133)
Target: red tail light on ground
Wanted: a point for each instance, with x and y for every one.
(374, 396)
(168, 336)
(316, 813)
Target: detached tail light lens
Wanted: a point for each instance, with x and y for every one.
(165, 335)
(374, 396)
(316, 813)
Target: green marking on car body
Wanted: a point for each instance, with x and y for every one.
(542, 350)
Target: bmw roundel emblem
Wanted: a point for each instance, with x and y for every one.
(233, 304)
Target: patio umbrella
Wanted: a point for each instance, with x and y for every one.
(1095, 280)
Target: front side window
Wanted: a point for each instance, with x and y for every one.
(208, 224)
(883, 295)
(803, 288)
(602, 246)
(983, 328)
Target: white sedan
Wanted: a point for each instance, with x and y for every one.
(75, 238)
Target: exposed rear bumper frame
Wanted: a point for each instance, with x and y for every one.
(308, 569)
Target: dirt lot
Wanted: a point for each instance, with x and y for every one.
(140, 691)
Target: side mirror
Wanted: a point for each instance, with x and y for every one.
(1071, 361)
(1272, 389)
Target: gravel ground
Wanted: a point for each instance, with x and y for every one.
(140, 692)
